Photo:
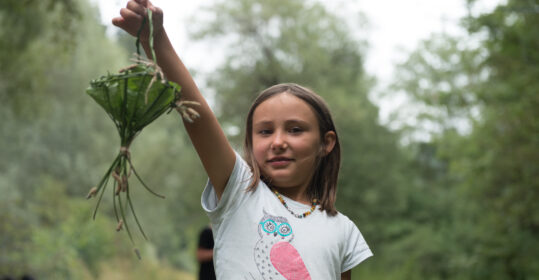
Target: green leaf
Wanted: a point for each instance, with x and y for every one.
(126, 98)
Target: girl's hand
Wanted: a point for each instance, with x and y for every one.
(132, 15)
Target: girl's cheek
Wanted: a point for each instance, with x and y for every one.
(258, 152)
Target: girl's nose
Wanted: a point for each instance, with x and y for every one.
(279, 142)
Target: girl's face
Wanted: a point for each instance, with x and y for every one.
(287, 143)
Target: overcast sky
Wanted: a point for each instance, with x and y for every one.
(394, 26)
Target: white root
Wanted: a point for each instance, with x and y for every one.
(189, 114)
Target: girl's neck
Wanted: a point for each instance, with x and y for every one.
(297, 194)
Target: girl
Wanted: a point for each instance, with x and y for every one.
(273, 214)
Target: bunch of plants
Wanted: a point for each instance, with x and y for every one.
(133, 98)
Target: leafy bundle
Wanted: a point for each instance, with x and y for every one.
(133, 99)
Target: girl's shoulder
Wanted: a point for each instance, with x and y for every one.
(338, 220)
(347, 227)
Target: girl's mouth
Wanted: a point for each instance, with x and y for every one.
(279, 161)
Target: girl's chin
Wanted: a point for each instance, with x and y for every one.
(283, 184)
(278, 179)
(283, 179)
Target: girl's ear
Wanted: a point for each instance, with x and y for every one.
(329, 142)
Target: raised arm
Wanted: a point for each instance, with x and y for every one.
(208, 138)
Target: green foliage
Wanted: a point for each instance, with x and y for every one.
(489, 81)
(272, 42)
(132, 99)
(124, 97)
(443, 73)
(55, 142)
(36, 20)
(501, 173)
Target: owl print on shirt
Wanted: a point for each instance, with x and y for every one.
(275, 256)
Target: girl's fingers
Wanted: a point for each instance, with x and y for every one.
(118, 21)
(136, 7)
(128, 21)
(140, 6)
(132, 15)
(149, 5)
(144, 3)
(129, 15)
(156, 10)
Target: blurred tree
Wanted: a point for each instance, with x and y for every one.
(43, 132)
(55, 143)
(499, 166)
(35, 36)
(441, 78)
(492, 166)
(273, 42)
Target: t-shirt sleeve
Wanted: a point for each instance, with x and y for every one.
(356, 249)
(234, 194)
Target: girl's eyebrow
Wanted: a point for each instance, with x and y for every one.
(261, 123)
(296, 121)
(299, 122)
(287, 122)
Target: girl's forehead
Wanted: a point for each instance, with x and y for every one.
(284, 106)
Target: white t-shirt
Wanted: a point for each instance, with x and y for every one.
(257, 238)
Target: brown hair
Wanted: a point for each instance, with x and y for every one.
(323, 185)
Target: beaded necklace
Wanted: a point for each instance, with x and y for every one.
(299, 216)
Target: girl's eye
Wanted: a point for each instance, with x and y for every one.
(264, 132)
(295, 130)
